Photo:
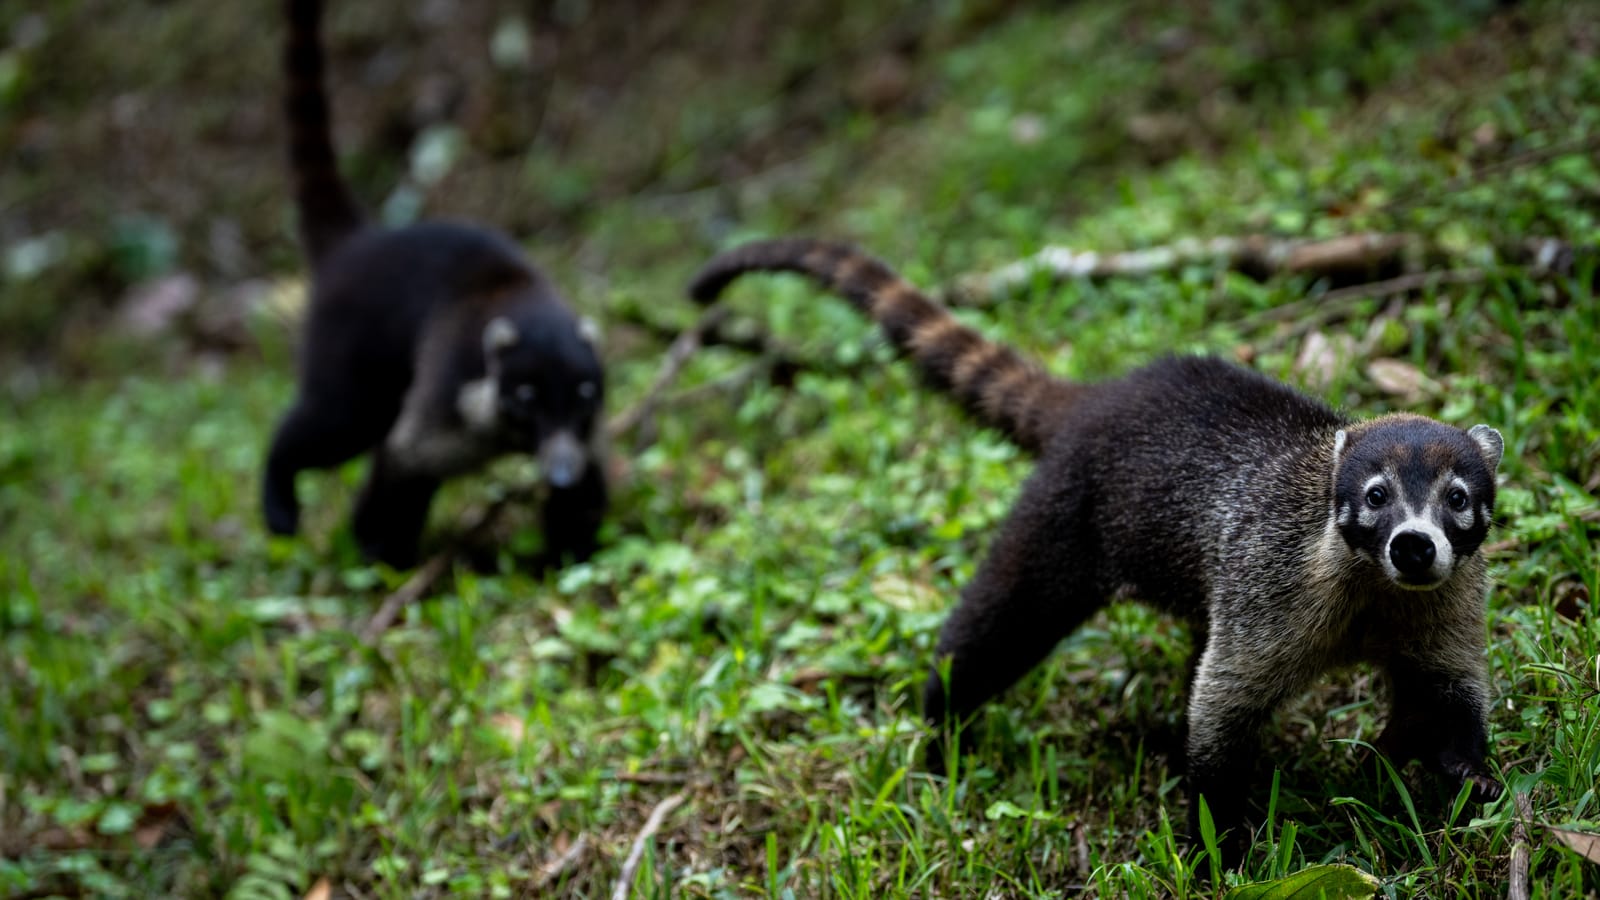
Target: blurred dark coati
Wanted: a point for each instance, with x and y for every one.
(433, 347)
(1295, 539)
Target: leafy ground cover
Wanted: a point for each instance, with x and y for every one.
(186, 707)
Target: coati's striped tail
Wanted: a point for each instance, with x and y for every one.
(328, 213)
(990, 380)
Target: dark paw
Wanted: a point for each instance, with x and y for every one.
(282, 513)
(1486, 787)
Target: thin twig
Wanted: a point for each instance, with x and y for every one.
(1311, 312)
(1587, 516)
(678, 356)
(630, 867)
(1518, 887)
(551, 871)
(474, 525)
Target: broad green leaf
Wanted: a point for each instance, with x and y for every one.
(1315, 883)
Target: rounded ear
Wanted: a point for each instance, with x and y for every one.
(1339, 440)
(498, 335)
(589, 330)
(1490, 442)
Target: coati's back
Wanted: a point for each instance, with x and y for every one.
(1178, 459)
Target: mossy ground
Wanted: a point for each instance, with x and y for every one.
(186, 708)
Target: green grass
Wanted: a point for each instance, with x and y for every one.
(186, 708)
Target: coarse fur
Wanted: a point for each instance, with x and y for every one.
(1295, 539)
(434, 347)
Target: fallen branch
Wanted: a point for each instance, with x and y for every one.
(630, 866)
(551, 871)
(1517, 889)
(1258, 256)
(1314, 312)
(683, 347)
(721, 334)
(473, 526)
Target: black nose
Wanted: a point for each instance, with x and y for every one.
(1411, 552)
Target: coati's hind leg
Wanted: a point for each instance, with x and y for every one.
(572, 515)
(311, 435)
(391, 512)
(1438, 716)
(1037, 584)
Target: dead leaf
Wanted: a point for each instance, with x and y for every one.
(1584, 843)
(1321, 357)
(153, 825)
(510, 727)
(1401, 379)
(1570, 598)
(153, 307)
(322, 890)
(905, 594)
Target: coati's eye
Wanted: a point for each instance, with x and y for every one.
(525, 393)
(1377, 496)
(586, 390)
(1457, 498)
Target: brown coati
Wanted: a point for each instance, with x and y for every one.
(1296, 539)
(435, 347)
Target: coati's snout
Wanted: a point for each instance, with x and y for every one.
(1415, 496)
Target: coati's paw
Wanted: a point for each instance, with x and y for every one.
(282, 513)
(1486, 786)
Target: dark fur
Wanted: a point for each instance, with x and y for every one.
(398, 326)
(1207, 490)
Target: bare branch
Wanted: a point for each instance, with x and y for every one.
(630, 866)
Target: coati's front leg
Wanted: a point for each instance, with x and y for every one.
(312, 435)
(1236, 688)
(1037, 584)
(1438, 716)
(572, 515)
(392, 510)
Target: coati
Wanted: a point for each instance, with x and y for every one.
(1295, 539)
(435, 347)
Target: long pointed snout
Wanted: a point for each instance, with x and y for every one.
(562, 459)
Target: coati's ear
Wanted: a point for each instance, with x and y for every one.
(1490, 442)
(589, 330)
(1339, 440)
(498, 335)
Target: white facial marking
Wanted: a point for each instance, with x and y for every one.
(1443, 556)
(476, 403)
(499, 334)
(1464, 517)
(1343, 518)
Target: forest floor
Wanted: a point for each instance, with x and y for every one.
(721, 703)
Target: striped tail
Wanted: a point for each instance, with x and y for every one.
(328, 212)
(993, 383)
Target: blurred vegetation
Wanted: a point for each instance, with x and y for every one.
(185, 709)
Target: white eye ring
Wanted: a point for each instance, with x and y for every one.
(586, 390)
(525, 393)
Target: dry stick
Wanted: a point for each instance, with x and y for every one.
(1518, 887)
(1259, 255)
(624, 885)
(1314, 311)
(423, 579)
(551, 872)
(678, 354)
